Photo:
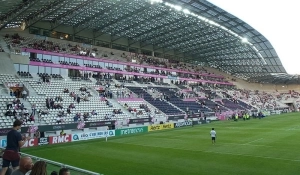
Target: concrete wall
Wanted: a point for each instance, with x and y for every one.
(19, 59)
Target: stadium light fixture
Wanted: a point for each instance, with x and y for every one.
(244, 40)
(155, 1)
(186, 11)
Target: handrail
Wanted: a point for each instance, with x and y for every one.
(61, 165)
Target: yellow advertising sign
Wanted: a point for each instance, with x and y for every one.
(160, 127)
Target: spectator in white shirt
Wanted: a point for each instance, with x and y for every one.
(24, 94)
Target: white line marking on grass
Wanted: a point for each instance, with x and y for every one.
(244, 144)
(228, 153)
(252, 141)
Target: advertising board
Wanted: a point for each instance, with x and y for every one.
(160, 127)
(92, 135)
(128, 131)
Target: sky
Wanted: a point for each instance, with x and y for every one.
(274, 19)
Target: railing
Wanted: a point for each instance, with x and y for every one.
(61, 165)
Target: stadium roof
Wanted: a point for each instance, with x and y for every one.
(200, 31)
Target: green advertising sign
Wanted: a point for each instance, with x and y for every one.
(127, 131)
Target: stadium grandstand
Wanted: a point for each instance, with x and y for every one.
(94, 67)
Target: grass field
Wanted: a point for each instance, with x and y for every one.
(255, 147)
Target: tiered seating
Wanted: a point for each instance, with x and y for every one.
(136, 105)
(5, 121)
(230, 104)
(24, 74)
(55, 88)
(245, 105)
(159, 104)
(192, 106)
(212, 105)
(8, 78)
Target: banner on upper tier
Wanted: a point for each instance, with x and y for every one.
(4, 131)
(69, 126)
(183, 124)
(140, 120)
(177, 117)
(200, 122)
(160, 127)
(92, 135)
(128, 131)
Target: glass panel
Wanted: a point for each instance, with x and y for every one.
(55, 70)
(48, 70)
(33, 69)
(101, 64)
(41, 69)
(80, 62)
(47, 57)
(55, 59)
(40, 56)
(73, 60)
(64, 72)
(23, 68)
(95, 62)
(17, 67)
(61, 58)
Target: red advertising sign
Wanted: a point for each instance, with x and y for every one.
(60, 139)
(31, 143)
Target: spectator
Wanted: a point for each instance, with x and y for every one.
(54, 173)
(64, 171)
(78, 99)
(14, 143)
(39, 168)
(66, 90)
(24, 167)
(24, 94)
(94, 112)
(68, 111)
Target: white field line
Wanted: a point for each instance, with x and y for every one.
(242, 144)
(228, 153)
(252, 141)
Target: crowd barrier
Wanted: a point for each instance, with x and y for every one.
(102, 134)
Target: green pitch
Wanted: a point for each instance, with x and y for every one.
(269, 146)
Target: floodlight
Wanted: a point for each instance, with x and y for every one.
(244, 40)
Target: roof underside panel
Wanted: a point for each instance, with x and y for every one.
(162, 26)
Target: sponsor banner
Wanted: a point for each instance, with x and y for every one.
(183, 124)
(98, 124)
(176, 117)
(4, 131)
(92, 135)
(69, 126)
(43, 128)
(128, 131)
(3, 143)
(200, 122)
(160, 127)
(29, 143)
(60, 139)
(139, 120)
(172, 77)
(43, 141)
